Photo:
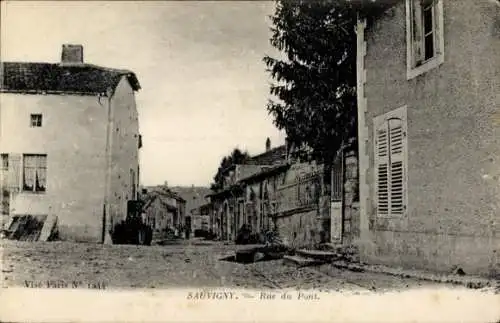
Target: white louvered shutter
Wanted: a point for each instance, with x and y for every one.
(382, 186)
(397, 167)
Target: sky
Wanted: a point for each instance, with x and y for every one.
(204, 85)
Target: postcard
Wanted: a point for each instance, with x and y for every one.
(250, 161)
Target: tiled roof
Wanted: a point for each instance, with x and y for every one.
(271, 157)
(151, 197)
(60, 78)
(265, 172)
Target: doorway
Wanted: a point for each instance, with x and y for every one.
(336, 200)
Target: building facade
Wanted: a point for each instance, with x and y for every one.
(165, 210)
(224, 202)
(305, 203)
(69, 142)
(429, 135)
(201, 218)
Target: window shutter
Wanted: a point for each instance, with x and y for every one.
(417, 22)
(397, 167)
(382, 168)
(14, 171)
(390, 163)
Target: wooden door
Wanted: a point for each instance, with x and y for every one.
(336, 200)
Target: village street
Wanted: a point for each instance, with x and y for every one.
(185, 265)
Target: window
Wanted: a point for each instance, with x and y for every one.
(4, 169)
(36, 120)
(390, 163)
(337, 180)
(34, 173)
(5, 195)
(424, 35)
(4, 162)
(132, 184)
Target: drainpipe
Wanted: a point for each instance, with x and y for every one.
(107, 187)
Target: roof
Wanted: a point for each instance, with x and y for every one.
(173, 195)
(153, 197)
(265, 172)
(270, 157)
(61, 78)
(227, 191)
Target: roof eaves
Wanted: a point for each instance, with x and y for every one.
(266, 172)
(45, 92)
(234, 187)
(269, 152)
(37, 69)
(131, 77)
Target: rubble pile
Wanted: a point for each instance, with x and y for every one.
(31, 228)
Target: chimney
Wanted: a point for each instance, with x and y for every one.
(268, 144)
(72, 54)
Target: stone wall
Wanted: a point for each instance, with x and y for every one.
(309, 226)
(296, 202)
(300, 229)
(351, 199)
(301, 206)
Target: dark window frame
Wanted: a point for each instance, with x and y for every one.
(36, 120)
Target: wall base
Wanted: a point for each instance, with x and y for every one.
(436, 252)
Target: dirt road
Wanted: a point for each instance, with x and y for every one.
(184, 265)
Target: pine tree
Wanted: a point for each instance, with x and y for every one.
(315, 81)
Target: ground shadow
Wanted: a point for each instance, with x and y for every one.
(249, 259)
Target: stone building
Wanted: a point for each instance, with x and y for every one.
(69, 143)
(195, 200)
(307, 204)
(165, 210)
(228, 203)
(224, 202)
(429, 137)
(200, 218)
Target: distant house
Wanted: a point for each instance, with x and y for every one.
(429, 147)
(201, 217)
(195, 198)
(69, 143)
(165, 209)
(227, 217)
